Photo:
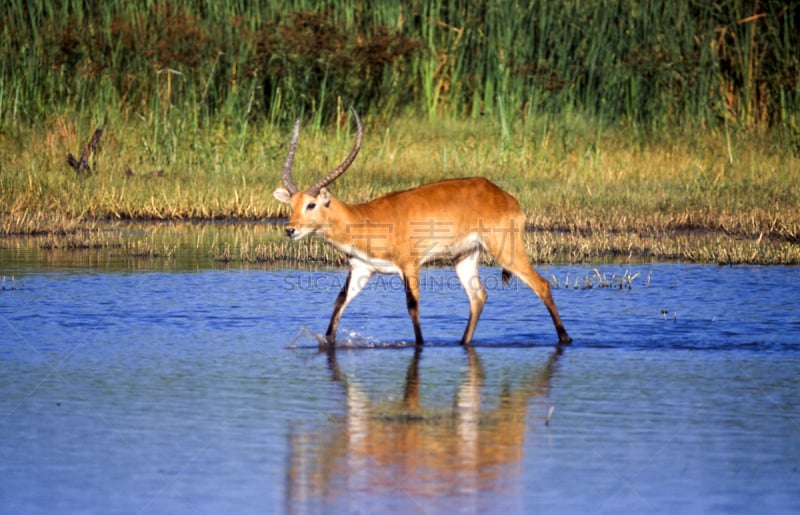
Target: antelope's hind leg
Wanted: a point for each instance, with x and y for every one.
(467, 271)
(511, 255)
(540, 286)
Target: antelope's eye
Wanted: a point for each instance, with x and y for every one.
(310, 205)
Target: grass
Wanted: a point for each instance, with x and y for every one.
(662, 130)
(656, 64)
(587, 194)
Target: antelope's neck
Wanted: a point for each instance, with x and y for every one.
(355, 232)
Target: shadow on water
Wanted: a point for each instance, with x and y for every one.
(402, 450)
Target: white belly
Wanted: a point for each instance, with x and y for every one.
(380, 266)
(431, 251)
(438, 250)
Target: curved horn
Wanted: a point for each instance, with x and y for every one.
(315, 189)
(287, 165)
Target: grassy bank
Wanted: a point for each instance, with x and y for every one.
(658, 129)
(587, 191)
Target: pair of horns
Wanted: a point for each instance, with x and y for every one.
(339, 170)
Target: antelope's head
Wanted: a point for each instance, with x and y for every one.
(311, 208)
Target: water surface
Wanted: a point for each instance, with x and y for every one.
(139, 386)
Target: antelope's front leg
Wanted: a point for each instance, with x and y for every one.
(411, 283)
(356, 280)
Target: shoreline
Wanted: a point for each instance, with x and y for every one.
(261, 241)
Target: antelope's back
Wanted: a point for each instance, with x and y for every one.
(469, 199)
(443, 217)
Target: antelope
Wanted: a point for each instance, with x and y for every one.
(401, 231)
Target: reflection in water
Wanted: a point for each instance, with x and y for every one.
(402, 450)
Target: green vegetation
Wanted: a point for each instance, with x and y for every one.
(653, 64)
(625, 128)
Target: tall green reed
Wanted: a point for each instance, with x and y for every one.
(654, 65)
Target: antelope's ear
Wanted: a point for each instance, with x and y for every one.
(324, 197)
(282, 194)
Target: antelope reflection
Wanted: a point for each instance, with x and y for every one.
(402, 447)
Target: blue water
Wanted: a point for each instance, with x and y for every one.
(140, 389)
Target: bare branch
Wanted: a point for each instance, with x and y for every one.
(287, 165)
(82, 164)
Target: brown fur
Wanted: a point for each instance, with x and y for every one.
(401, 231)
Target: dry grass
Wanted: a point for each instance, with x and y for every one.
(588, 195)
(247, 243)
